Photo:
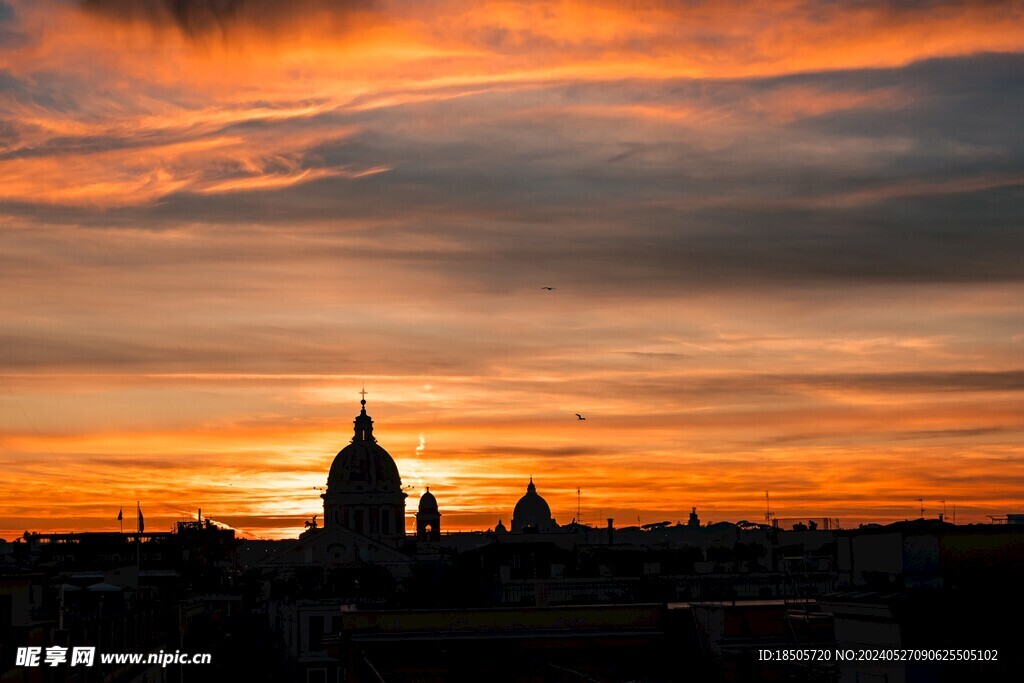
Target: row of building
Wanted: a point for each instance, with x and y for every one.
(357, 599)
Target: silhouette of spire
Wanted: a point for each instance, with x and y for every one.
(363, 423)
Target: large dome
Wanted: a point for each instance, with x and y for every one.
(532, 512)
(363, 465)
(364, 491)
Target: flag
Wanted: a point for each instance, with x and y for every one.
(120, 514)
(142, 523)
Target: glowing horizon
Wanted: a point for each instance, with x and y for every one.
(784, 239)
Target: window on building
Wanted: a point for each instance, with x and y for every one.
(315, 631)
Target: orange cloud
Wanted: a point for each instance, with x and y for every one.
(377, 195)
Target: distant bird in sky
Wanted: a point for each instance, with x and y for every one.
(580, 417)
(550, 289)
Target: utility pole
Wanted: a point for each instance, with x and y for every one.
(579, 520)
(921, 502)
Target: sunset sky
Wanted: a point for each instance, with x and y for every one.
(786, 237)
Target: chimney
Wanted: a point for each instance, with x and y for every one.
(611, 530)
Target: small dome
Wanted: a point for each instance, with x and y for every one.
(532, 512)
(500, 529)
(427, 502)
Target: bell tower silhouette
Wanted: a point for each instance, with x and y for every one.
(428, 519)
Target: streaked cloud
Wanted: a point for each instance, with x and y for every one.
(785, 241)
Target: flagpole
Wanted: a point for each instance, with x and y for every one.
(138, 539)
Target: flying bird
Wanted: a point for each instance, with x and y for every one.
(580, 417)
(550, 289)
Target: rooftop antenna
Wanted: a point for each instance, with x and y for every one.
(921, 501)
(943, 510)
(768, 514)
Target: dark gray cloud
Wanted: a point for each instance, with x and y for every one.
(200, 18)
(545, 451)
(13, 39)
(671, 388)
(1006, 381)
(48, 91)
(955, 107)
(917, 175)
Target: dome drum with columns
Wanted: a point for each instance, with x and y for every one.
(364, 490)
